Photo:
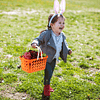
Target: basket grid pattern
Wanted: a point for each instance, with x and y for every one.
(33, 65)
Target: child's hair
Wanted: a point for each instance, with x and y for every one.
(53, 20)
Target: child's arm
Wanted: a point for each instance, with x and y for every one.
(69, 50)
(39, 40)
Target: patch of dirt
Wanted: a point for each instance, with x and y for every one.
(20, 12)
(28, 11)
(10, 92)
(77, 76)
(88, 10)
(92, 72)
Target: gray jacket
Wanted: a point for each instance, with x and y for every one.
(45, 40)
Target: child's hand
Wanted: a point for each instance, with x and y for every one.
(34, 45)
(70, 52)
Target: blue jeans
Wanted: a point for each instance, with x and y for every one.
(49, 71)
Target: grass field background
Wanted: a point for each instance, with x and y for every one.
(78, 79)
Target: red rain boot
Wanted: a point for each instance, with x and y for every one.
(46, 90)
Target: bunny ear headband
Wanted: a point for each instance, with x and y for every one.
(56, 9)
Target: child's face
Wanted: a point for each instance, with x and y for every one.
(58, 26)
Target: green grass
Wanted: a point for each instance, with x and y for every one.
(79, 78)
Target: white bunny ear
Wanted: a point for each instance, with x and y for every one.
(56, 6)
(62, 6)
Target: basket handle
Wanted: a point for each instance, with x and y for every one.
(39, 49)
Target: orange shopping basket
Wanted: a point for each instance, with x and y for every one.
(33, 65)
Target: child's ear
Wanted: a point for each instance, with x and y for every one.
(51, 24)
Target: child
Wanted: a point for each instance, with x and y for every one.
(53, 43)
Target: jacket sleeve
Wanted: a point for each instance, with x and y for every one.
(67, 46)
(40, 39)
(66, 43)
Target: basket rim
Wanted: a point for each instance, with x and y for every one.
(33, 59)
